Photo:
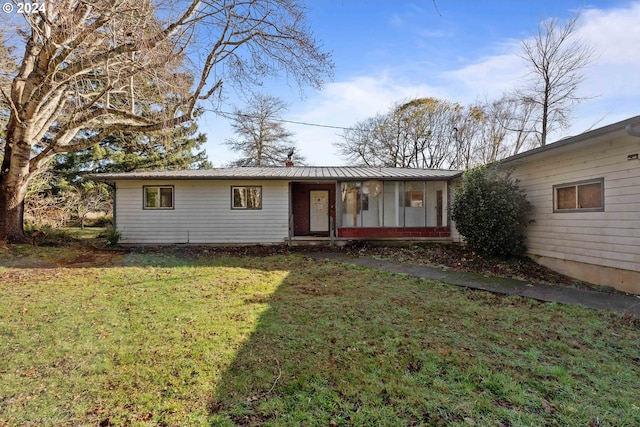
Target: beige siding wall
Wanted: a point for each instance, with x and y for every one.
(610, 238)
(202, 214)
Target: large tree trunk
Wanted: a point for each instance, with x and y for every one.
(14, 179)
(11, 213)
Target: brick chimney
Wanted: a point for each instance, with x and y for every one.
(289, 162)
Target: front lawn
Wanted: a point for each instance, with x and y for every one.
(185, 338)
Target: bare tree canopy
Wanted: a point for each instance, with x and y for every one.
(89, 69)
(507, 129)
(419, 133)
(436, 134)
(262, 139)
(555, 57)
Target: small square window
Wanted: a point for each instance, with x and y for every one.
(158, 197)
(246, 197)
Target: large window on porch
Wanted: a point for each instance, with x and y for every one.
(392, 203)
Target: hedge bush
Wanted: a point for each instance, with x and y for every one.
(490, 211)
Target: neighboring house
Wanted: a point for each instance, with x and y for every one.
(585, 192)
(275, 205)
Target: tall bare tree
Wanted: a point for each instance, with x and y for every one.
(89, 69)
(555, 57)
(506, 127)
(470, 136)
(262, 138)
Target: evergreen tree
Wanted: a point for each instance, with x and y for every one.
(175, 149)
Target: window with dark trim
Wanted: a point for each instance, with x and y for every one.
(158, 197)
(246, 197)
(583, 196)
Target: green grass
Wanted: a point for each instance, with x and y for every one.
(155, 338)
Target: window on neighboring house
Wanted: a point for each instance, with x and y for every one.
(579, 196)
(246, 197)
(158, 197)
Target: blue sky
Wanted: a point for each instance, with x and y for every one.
(391, 51)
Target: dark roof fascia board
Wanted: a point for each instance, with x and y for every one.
(258, 178)
(339, 174)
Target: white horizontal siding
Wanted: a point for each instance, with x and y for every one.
(202, 214)
(610, 238)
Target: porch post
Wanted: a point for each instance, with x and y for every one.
(290, 230)
(290, 215)
(332, 231)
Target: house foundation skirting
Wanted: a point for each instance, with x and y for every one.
(389, 232)
(623, 280)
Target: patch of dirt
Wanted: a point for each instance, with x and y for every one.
(93, 258)
(251, 420)
(172, 254)
(27, 263)
(21, 275)
(75, 257)
(206, 252)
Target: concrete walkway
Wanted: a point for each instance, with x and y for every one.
(548, 293)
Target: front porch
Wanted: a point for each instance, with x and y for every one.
(334, 213)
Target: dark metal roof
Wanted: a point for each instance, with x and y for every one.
(296, 173)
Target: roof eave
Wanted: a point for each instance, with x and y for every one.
(632, 123)
(111, 178)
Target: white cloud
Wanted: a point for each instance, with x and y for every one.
(613, 80)
(344, 104)
(488, 78)
(364, 96)
(615, 35)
